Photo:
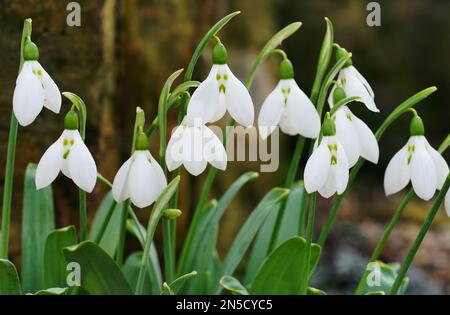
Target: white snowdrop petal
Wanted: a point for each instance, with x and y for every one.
(120, 190)
(214, 150)
(174, 150)
(347, 135)
(160, 176)
(52, 95)
(300, 115)
(143, 181)
(50, 164)
(397, 173)
(329, 189)
(28, 98)
(423, 171)
(354, 87)
(82, 168)
(317, 167)
(368, 143)
(342, 167)
(239, 102)
(440, 165)
(271, 111)
(363, 81)
(193, 158)
(204, 102)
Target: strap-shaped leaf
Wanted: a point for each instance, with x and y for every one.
(233, 285)
(99, 272)
(9, 280)
(37, 223)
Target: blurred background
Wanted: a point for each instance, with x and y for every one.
(123, 51)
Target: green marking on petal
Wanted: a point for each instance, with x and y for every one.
(222, 88)
(330, 147)
(218, 77)
(39, 72)
(335, 147)
(349, 117)
(333, 160)
(72, 141)
(66, 154)
(65, 142)
(225, 76)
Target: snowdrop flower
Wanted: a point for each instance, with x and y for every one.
(221, 91)
(194, 145)
(416, 161)
(355, 136)
(326, 170)
(288, 107)
(354, 83)
(34, 88)
(140, 178)
(69, 155)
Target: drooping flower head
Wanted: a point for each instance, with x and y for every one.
(416, 161)
(140, 178)
(69, 155)
(355, 136)
(288, 107)
(221, 91)
(34, 89)
(353, 83)
(326, 170)
(193, 145)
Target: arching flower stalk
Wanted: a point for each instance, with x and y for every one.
(140, 178)
(416, 161)
(34, 89)
(221, 91)
(353, 83)
(356, 137)
(69, 155)
(288, 107)
(326, 170)
(193, 145)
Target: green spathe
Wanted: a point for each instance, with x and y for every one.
(416, 127)
(219, 54)
(286, 69)
(71, 121)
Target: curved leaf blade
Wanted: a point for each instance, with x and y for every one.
(9, 280)
(55, 266)
(99, 272)
(37, 222)
(233, 285)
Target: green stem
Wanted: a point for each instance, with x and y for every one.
(376, 253)
(420, 236)
(309, 237)
(10, 156)
(105, 222)
(122, 232)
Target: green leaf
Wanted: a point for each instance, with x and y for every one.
(250, 228)
(197, 232)
(99, 272)
(52, 291)
(55, 265)
(324, 60)
(233, 285)
(9, 280)
(181, 88)
(375, 293)
(381, 277)
(37, 223)
(204, 42)
(178, 283)
(291, 225)
(110, 238)
(273, 43)
(131, 271)
(279, 274)
(314, 291)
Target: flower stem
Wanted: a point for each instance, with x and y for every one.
(105, 222)
(376, 253)
(122, 232)
(309, 237)
(420, 236)
(10, 156)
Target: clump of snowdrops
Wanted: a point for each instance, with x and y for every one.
(274, 251)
